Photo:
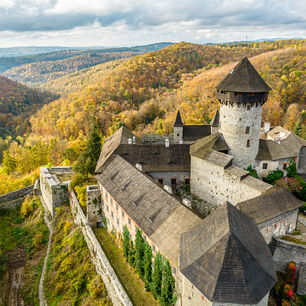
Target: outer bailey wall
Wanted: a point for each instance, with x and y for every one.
(234, 118)
(98, 257)
(15, 196)
(215, 184)
(94, 208)
(279, 225)
(285, 251)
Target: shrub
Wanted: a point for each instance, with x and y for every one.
(252, 171)
(291, 170)
(274, 176)
(77, 180)
(28, 206)
(38, 240)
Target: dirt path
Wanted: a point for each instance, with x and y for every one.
(42, 300)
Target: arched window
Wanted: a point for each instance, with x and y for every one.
(248, 143)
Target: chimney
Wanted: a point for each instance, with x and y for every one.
(129, 140)
(167, 143)
(134, 139)
(267, 127)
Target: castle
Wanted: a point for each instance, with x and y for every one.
(220, 257)
(216, 236)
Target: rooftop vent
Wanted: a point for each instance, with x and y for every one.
(138, 166)
(181, 141)
(134, 139)
(167, 143)
(168, 189)
(130, 141)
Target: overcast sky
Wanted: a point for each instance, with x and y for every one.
(135, 22)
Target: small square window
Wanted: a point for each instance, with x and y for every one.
(111, 200)
(122, 214)
(264, 166)
(187, 181)
(117, 221)
(177, 134)
(116, 207)
(106, 208)
(247, 130)
(112, 214)
(173, 181)
(161, 180)
(129, 221)
(285, 166)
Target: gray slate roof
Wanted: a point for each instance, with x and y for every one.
(272, 203)
(178, 120)
(194, 132)
(157, 157)
(227, 259)
(215, 120)
(243, 78)
(153, 209)
(121, 136)
(271, 150)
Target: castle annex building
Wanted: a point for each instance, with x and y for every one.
(218, 244)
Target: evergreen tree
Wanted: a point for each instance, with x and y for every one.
(157, 275)
(291, 170)
(87, 161)
(298, 128)
(126, 242)
(132, 255)
(139, 246)
(168, 283)
(148, 266)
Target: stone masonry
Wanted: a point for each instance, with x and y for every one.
(94, 209)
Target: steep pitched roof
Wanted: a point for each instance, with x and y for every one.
(243, 78)
(227, 259)
(150, 206)
(157, 157)
(271, 150)
(215, 120)
(194, 132)
(206, 144)
(272, 203)
(121, 136)
(178, 120)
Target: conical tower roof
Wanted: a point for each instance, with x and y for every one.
(227, 258)
(178, 121)
(244, 78)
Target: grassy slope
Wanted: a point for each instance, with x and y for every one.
(71, 278)
(129, 279)
(31, 235)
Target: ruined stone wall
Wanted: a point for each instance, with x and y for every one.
(167, 176)
(234, 119)
(216, 184)
(285, 251)
(13, 199)
(279, 226)
(301, 161)
(53, 191)
(114, 288)
(272, 165)
(94, 208)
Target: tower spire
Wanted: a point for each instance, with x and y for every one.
(178, 120)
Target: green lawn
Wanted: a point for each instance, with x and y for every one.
(133, 286)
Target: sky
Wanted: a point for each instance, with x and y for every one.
(138, 22)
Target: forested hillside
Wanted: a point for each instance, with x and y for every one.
(144, 92)
(7, 63)
(17, 104)
(35, 74)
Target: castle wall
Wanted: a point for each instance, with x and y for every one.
(53, 191)
(94, 208)
(234, 119)
(216, 184)
(301, 161)
(272, 165)
(114, 288)
(285, 251)
(167, 176)
(279, 226)
(13, 199)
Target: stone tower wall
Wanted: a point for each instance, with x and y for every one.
(234, 120)
(177, 133)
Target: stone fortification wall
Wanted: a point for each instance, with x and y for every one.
(13, 199)
(94, 208)
(53, 191)
(216, 184)
(285, 251)
(234, 120)
(279, 226)
(99, 259)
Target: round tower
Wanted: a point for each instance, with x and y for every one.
(242, 94)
